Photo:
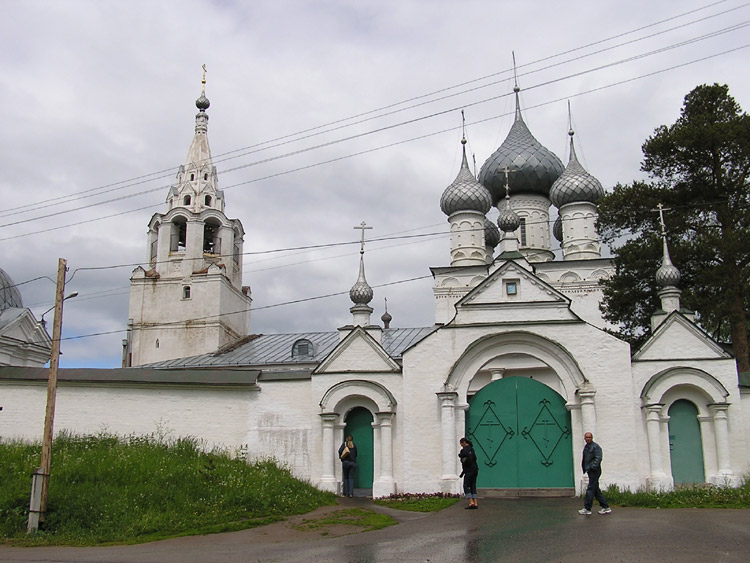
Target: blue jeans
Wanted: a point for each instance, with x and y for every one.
(349, 467)
(593, 490)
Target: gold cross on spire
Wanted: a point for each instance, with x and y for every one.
(203, 81)
(362, 226)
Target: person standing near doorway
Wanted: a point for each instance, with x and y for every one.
(470, 471)
(348, 456)
(591, 463)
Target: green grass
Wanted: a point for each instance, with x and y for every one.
(365, 520)
(105, 489)
(422, 502)
(696, 496)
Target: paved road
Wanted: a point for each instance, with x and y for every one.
(517, 530)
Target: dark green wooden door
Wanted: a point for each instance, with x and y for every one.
(359, 425)
(685, 447)
(521, 434)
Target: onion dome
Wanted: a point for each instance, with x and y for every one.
(202, 103)
(557, 229)
(667, 275)
(361, 292)
(465, 193)
(508, 220)
(533, 168)
(386, 317)
(10, 297)
(575, 184)
(491, 234)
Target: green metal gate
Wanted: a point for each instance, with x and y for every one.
(685, 448)
(521, 434)
(359, 425)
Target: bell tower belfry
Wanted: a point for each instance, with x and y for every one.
(189, 300)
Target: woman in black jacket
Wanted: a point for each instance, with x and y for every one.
(470, 471)
(348, 456)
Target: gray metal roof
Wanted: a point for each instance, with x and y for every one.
(532, 167)
(10, 297)
(276, 349)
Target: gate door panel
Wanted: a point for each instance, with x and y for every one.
(521, 434)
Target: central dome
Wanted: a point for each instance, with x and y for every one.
(532, 168)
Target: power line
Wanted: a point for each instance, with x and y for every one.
(345, 139)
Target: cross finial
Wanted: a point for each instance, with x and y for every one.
(507, 182)
(363, 227)
(203, 81)
(662, 209)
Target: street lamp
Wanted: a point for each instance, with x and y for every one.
(40, 479)
(70, 296)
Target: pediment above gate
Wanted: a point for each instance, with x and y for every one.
(519, 293)
(358, 352)
(677, 338)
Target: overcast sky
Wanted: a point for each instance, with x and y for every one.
(323, 115)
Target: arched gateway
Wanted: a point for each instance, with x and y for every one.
(522, 435)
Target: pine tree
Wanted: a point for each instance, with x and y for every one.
(699, 169)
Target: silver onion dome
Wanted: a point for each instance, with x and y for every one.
(533, 167)
(465, 193)
(361, 292)
(10, 297)
(491, 234)
(575, 184)
(202, 103)
(557, 229)
(508, 220)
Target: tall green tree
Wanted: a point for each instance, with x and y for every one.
(698, 169)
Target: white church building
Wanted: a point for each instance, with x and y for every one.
(518, 359)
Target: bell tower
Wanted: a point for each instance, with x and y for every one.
(189, 300)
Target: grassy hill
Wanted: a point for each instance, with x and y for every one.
(106, 489)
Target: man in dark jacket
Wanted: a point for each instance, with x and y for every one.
(592, 466)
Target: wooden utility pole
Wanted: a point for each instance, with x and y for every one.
(40, 483)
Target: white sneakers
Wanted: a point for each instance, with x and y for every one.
(586, 512)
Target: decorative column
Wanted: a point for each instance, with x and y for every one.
(497, 373)
(721, 431)
(385, 486)
(448, 429)
(328, 477)
(657, 479)
(588, 409)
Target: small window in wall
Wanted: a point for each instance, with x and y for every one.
(511, 288)
(192, 177)
(157, 343)
(208, 201)
(186, 292)
(186, 200)
(523, 231)
(302, 349)
(205, 176)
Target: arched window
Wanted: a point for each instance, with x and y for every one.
(523, 231)
(192, 177)
(205, 176)
(179, 235)
(303, 349)
(208, 201)
(186, 200)
(186, 292)
(211, 238)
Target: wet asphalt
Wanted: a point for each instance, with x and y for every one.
(519, 530)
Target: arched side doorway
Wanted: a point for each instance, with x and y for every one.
(685, 444)
(359, 426)
(522, 435)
